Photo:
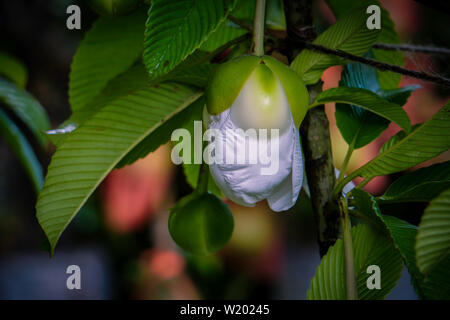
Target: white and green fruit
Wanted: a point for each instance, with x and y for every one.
(261, 91)
(255, 94)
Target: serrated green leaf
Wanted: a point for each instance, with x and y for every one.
(388, 80)
(433, 237)
(404, 236)
(392, 141)
(244, 10)
(161, 135)
(367, 100)
(366, 205)
(358, 126)
(22, 149)
(421, 185)
(95, 148)
(25, 107)
(175, 29)
(396, 138)
(329, 280)
(402, 233)
(197, 75)
(275, 16)
(371, 247)
(135, 78)
(424, 142)
(226, 32)
(108, 49)
(13, 69)
(436, 285)
(192, 72)
(375, 248)
(398, 96)
(349, 34)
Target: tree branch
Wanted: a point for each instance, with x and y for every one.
(241, 24)
(376, 64)
(315, 134)
(412, 48)
(300, 39)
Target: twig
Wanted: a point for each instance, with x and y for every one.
(315, 134)
(412, 48)
(268, 33)
(377, 64)
(240, 23)
(298, 39)
(227, 45)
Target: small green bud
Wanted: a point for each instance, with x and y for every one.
(201, 224)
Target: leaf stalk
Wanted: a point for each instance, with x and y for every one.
(350, 280)
(348, 155)
(203, 179)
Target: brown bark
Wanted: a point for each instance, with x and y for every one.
(315, 134)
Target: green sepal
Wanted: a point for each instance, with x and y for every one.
(227, 81)
(268, 108)
(293, 86)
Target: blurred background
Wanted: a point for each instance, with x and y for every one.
(120, 238)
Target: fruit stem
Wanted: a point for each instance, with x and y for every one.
(203, 179)
(258, 27)
(350, 280)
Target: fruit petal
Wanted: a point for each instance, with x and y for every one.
(244, 183)
(285, 195)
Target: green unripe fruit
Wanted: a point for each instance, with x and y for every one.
(113, 7)
(201, 224)
(263, 87)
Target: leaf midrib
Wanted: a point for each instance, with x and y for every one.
(196, 94)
